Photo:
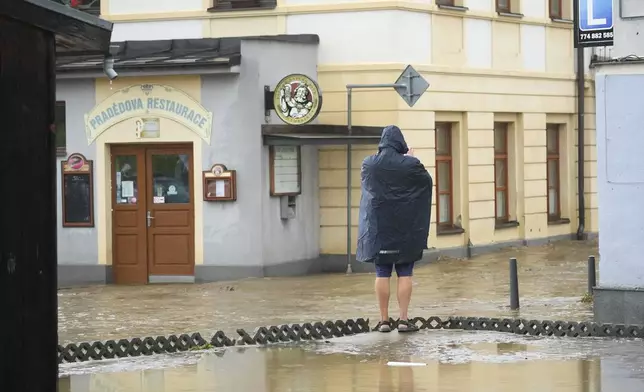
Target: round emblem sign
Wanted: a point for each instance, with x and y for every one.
(218, 169)
(297, 99)
(75, 162)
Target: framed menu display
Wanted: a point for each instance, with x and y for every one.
(285, 170)
(219, 184)
(77, 191)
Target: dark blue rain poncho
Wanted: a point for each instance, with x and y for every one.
(395, 206)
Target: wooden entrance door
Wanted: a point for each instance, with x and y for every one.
(152, 212)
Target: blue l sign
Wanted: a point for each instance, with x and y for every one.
(595, 14)
(595, 23)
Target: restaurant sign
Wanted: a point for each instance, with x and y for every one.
(297, 99)
(148, 100)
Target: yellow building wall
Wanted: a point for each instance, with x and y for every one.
(474, 101)
(590, 161)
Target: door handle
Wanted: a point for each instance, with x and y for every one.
(149, 218)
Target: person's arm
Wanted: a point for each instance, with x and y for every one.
(419, 174)
(422, 179)
(363, 169)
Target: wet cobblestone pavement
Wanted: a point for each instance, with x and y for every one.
(552, 281)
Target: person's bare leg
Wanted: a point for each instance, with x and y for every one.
(404, 295)
(382, 292)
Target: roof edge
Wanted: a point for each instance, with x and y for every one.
(288, 38)
(141, 72)
(13, 10)
(74, 30)
(151, 55)
(73, 13)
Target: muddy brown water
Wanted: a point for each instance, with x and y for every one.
(450, 361)
(552, 280)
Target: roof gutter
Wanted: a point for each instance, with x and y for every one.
(147, 71)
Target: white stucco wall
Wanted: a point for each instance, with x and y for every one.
(157, 30)
(76, 245)
(249, 232)
(368, 36)
(153, 6)
(629, 26)
(620, 175)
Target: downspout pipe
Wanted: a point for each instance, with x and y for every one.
(108, 68)
(581, 108)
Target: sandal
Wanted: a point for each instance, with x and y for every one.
(406, 326)
(383, 326)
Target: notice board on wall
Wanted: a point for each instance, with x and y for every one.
(77, 192)
(285, 170)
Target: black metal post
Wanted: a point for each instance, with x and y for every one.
(349, 159)
(592, 276)
(514, 284)
(581, 108)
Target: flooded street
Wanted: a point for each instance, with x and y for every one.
(448, 361)
(552, 281)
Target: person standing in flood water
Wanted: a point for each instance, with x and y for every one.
(393, 224)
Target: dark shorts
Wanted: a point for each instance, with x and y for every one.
(402, 270)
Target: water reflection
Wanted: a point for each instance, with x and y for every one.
(552, 280)
(396, 379)
(307, 368)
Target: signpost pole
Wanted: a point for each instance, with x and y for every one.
(593, 26)
(580, 122)
(410, 85)
(349, 90)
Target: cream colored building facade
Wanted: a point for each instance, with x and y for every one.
(487, 71)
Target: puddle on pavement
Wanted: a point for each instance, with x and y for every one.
(552, 280)
(456, 361)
